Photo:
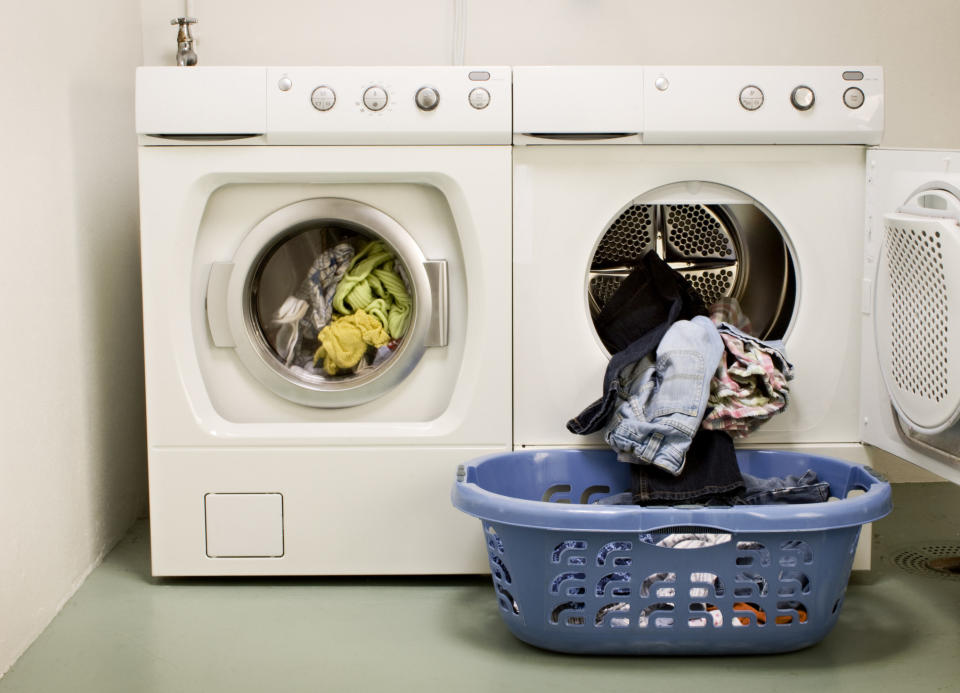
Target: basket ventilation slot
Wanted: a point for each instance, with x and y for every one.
(499, 571)
(660, 595)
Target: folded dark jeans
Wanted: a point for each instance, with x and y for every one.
(709, 473)
(651, 486)
(631, 325)
(806, 488)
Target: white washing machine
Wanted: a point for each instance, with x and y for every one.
(752, 182)
(268, 455)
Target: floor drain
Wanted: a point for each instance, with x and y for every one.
(950, 565)
(939, 560)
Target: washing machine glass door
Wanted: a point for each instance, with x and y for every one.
(328, 302)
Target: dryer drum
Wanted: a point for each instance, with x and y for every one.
(721, 250)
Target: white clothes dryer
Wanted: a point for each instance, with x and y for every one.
(263, 192)
(752, 182)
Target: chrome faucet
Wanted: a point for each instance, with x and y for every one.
(186, 56)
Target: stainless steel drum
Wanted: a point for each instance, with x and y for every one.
(721, 250)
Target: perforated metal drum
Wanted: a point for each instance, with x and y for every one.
(721, 250)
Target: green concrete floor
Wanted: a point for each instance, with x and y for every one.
(125, 631)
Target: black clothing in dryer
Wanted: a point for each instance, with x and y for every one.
(632, 323)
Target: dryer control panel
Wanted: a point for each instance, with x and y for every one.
(762, 105)
(388, 105)
(623, 104)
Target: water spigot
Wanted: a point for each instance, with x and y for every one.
(186, 55)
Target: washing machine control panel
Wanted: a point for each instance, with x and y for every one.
(388, 105)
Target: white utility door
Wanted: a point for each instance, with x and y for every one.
(910, 362)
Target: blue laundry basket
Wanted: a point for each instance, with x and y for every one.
(576, 577)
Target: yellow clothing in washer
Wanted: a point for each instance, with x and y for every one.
(344, 341)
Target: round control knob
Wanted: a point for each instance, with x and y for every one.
(853, 98)
(427, 98)
(751, 97)
(375, 98)
(802, 98)
(322, 98)
(479, 98)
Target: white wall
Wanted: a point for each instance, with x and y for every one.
(72, 449)
(914, 41)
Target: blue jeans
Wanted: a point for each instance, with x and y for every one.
(710, 472)
(661, 408)
(631, 325)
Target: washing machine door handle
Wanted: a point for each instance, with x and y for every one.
(216, 304)
(437, 328)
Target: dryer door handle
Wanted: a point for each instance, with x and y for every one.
(437, 329)
(216, 304)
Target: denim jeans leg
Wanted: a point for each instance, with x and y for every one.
(631, 325)
(710, 472)
(662, 409)
(595, 416)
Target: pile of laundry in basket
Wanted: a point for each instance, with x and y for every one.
(684, 380)
(349, 313)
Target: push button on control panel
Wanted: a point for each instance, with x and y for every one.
(853, 98)
(323, 98)
(375, 98)
(751, 98)
(479, 98)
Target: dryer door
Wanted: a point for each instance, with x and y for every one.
(910, 394)
(328, 302)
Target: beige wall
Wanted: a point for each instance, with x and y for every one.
(916, 42)
(72, 451)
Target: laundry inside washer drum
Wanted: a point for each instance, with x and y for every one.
(332, 303)
(721, 250)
